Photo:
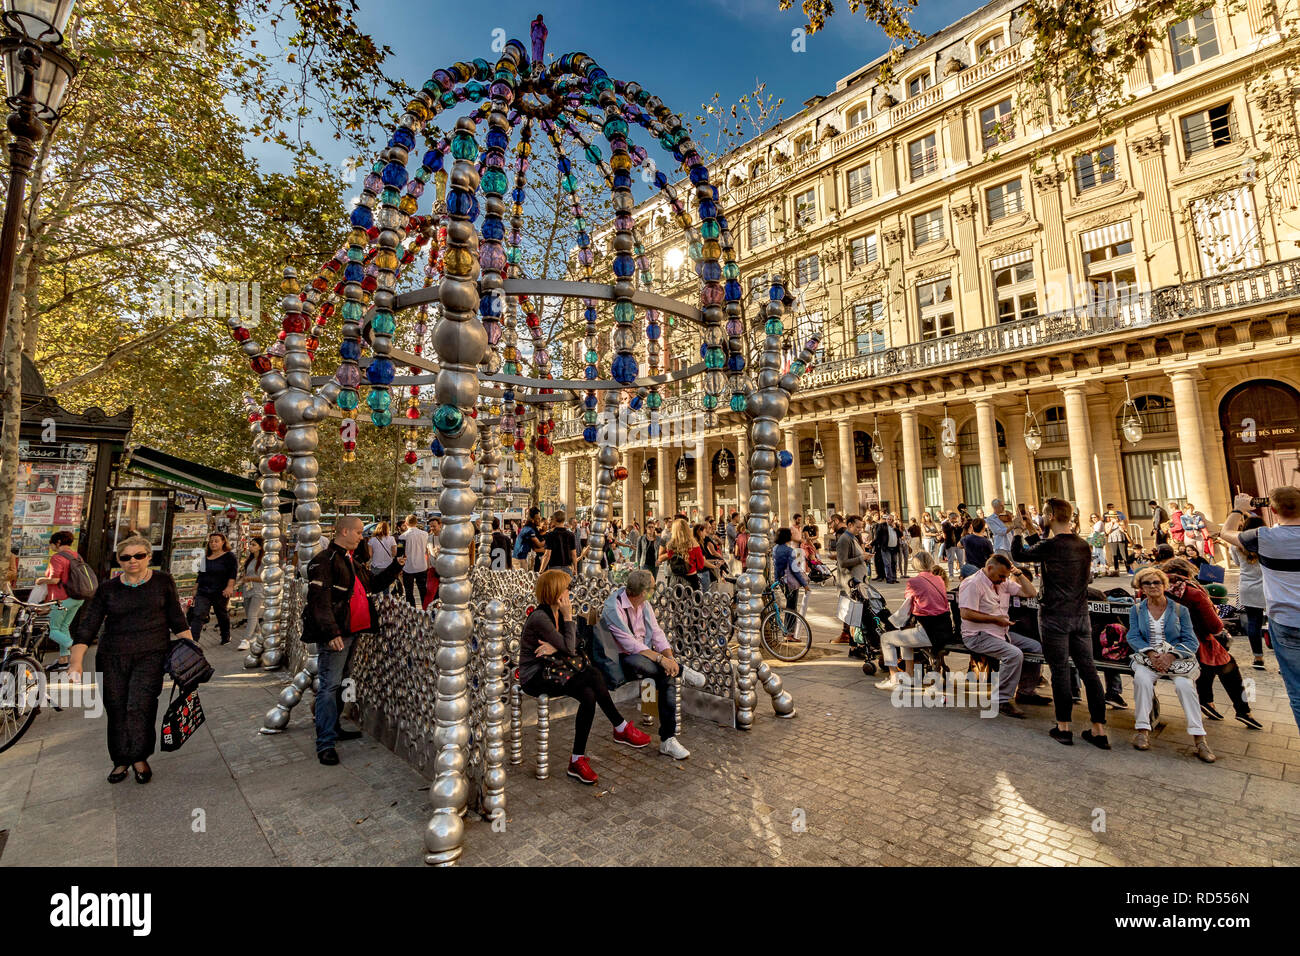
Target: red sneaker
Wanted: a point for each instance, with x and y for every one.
(581, 771)
(631, 736)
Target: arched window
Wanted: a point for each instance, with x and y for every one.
(758, 168)
(802, 145)
(1053, 420)
(1156, 411)
(858, 115)
(968, 438)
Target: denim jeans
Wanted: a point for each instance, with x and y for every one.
(1286, 647)
(329, 699)
(637, 666)
(956, 558)
(887, 559)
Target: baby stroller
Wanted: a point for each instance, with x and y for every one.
(864, 637)
(817, 572)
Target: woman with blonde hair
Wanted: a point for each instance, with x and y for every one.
(549, 664)
(383, 547)
(684, 556)
(928, 592)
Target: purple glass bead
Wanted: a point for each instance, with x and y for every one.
(585, 257)
(349, 376)
(415, 189)
(492, 256)
(373, 183)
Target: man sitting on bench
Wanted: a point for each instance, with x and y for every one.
(984, 599)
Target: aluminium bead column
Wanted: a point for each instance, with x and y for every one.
(460, 341)
(606, 462)
(491, 458)
(766, 405)
(492, 798)
(301, 411)
(272, 574)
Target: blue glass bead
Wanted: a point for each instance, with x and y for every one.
(395, 175)
(494, 228)
(709, 271)
(636, 403)
(708, 209)
(589, 434)
(590, 373)
(624, 369)
(380, 372)
(699, 174)
(354, 272)
(517, 196)
(497, 138)
(736, 363)
(448, 419)
(624, 265)
(473, 208)
(589, 315)
(435, 446)
(589, 401)
(362, 217)
(459, 204)
(776, 293)
(784, 458)
(654, 429)
(382, 418)
(490, 306)
(622, 180)
(653, 331)
(350, 349)
(563, 165)
(732, 291)
(402, 137)
(661, 180)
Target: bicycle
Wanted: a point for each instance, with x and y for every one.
(784, 633)
(22, 675)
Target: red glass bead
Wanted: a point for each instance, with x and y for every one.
(411, 458)
(240, 334)
(349, 445)
(269, 408)
(282, 429)
(413, 413)
(294, 322)
(270, 423)
(519, 444)
(372, 233)
(254, 416)
(261, 364)
(278, 463)
(370, 283)
(313, 343)
(327, 310)
(620, 473)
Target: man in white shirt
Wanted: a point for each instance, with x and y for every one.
(984, 600)
(414, 573)
(1278, 549)
(997, 527)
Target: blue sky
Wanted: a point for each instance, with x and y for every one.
(682, 51)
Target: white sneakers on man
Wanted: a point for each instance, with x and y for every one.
(692, 677)
(673, 749)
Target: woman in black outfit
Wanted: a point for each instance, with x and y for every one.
(216, 584)
(551, 629)
(138, 609)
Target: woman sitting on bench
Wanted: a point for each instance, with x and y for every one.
(1164, 645)
(549, 664)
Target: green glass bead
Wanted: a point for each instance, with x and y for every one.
(379, 399)
(654, 401)
(731, 271)
(474, 91)
(581, 223)
(448, 99)
(352, 311)
(390, 196)
(715, 358)
(710, 229)
(494, 181)
(568, 183)
(738, 403)
(463, 146)
(384, 323)
(514, 255)
(624, 312)
(647, 278)
(638, 249)
(381, 418)
(356, 254)
(378, 166)
(695, 250)
(347, 399)
(589, 418)
(423, 173)
(448, 419)
(774, 327)
(592, 153)
(797, 367)
(592, 356)
(710, 401)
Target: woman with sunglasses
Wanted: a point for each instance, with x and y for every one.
(138, 610)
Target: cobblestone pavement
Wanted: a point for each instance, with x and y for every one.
(852, 779)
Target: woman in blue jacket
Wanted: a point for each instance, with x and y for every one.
(783, 564)
(1164, 645)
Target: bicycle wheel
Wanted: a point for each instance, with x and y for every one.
(22, 680)
(786, 635)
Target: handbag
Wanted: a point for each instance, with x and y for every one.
(187, 665)
(906, 637)
(849, 611)
(183, 716)
(904, 614)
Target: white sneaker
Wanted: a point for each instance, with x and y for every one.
(673, 749)
(692, 677)
(889, 683)
(243, 646)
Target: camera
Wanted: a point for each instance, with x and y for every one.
(1259, 502)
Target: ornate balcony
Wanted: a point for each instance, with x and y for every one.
(1136, 313)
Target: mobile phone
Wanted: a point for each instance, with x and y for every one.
(401, 548)
(1259, 502)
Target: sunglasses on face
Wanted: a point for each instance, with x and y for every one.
(133, 557)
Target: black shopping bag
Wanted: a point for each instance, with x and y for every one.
(183, 716)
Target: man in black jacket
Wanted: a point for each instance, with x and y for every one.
(339, 607)
(1064, 626)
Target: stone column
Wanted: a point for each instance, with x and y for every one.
(1022, 477)
(568, 483)
(990, 461)
(1150, 151)
(1106, 447)
(1078, 426)
(1048, 185)
(912, 462)
(667, 484)
(949, 480)
(848, 467)
(742, 474)
(887, 475)
(832, 473)
(1191, 437)
(793, 481)
(703, 479)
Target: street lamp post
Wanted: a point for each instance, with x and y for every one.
(37, 74)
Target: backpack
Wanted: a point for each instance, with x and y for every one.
(521, 547)
(81, 583)
(742, 546)
(679, 566)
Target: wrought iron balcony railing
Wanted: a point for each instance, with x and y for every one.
(1133, 312)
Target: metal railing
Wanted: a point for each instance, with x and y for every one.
(1132, 312)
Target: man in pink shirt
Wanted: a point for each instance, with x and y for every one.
(644, 651)
(984, 599)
